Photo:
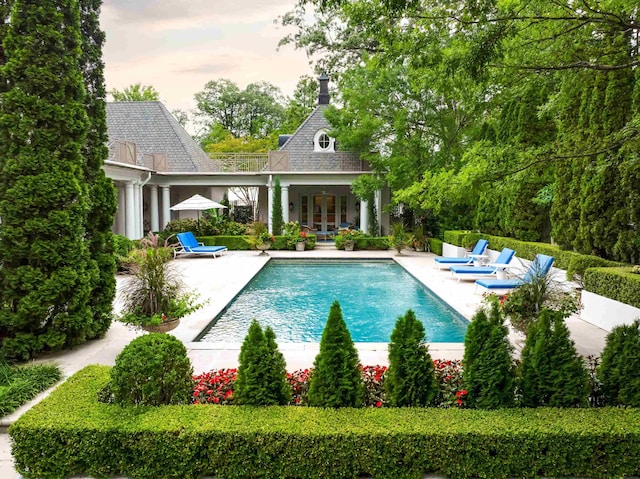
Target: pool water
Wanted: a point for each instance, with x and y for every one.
(294, 298)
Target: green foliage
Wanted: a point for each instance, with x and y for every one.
(399, 238)
(47, 275)
(136, 92)
(489, 372)
(189, 441)
(20, 384)
(262, 374)
(579, 264)
(551, 372)
(152, 370)
(435, 245)
(619, 371)
(619, 284)
(410, 379)
(336, 380)
(276, 212)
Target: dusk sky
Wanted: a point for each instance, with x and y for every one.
(178, 46)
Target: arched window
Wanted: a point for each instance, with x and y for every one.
(323, 142)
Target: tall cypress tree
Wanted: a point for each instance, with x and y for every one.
(276, 212)
(336, 380)
(102, 194)
(44, 280)
(410, 379)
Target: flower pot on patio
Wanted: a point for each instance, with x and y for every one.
(349, 245)
(163, 327)
(300, 246)
(263, 247)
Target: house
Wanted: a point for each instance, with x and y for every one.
(155, 164)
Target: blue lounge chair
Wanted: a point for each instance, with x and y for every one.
(189, 245)
(478, 251)
(492, 269)
(540, 266)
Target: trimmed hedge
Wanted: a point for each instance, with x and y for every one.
(435, 246)
(619, 284)
(242, 243)
(246, 442)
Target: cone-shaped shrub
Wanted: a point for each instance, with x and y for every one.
(552, 373)
(489, 372)
(619, 370)
(152, 370)
(261, 371)
(410, 379)
(336, 380)
(276, 370)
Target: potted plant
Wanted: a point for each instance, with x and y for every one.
(399, 239)
(419, 240)
(295, 238)
(348, 238)
(155, 299)
(260, 236)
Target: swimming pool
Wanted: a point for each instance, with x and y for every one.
(294, 297)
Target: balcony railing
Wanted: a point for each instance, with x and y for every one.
(235, 162)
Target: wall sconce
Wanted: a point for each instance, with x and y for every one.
(291, 206)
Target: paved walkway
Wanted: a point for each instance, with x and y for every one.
(220, 280)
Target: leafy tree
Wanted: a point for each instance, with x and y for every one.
(46, 278)
(619, 371)
(305, 99)
(276, 212)
(410, 379)
(181, 115)
(254, 112)
(102, 194)
(551, 372)
(489, 373)
(336, 380)
(136, 92)
(261, 373)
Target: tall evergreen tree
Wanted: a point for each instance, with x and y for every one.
(410, 379)
(336, 380)
(45, 280)
(102, 195)
(262, 375)
(276, 213)
(619, 370)
(489, 373)
(551, 372)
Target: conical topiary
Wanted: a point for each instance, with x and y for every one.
(489, 373)
(336, 380)
(410, 379)
(619, 370)
(261, 372)
(552, 373)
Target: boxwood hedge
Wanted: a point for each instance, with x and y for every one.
(70, 433)
(614, 283)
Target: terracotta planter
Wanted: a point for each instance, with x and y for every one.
(163, 327)
(349, 245)
(300, 245)
(263, 247)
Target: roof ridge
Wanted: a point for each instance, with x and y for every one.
(178, 129)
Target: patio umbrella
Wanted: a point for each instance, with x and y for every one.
(197, 203)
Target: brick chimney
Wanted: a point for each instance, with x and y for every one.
(323, 97)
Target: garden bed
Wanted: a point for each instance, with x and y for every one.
(71, 433)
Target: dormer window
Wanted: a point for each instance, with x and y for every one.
(323, 142)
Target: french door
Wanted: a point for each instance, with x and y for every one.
(324, 212)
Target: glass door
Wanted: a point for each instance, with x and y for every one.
(324, 212)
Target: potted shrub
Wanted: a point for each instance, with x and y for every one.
(419, 240)
(155, 299)
(295, 238)
(399, 239)
(260, 237)
(348, 239)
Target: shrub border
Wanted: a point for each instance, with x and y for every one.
(236, 442)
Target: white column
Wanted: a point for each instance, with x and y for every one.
(269, 206)
(120, 225)
(137, 198)
(364, 217)
(153, 208)
(166, 204)
(285, 204)
(130, 211)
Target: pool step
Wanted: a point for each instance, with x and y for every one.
(322, 245)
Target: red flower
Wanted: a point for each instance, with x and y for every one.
(459, 402)
(379, 404)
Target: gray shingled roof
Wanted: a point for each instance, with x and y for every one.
(153, 129)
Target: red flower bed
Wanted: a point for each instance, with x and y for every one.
(216, 386)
